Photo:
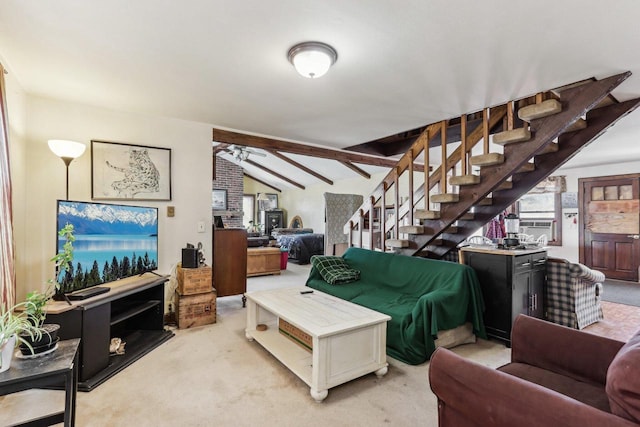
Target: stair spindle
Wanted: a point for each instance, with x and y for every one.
(372, 201)
(410, 212)
(485, 130)
(427, 172)
(463, 144)
(443, 163)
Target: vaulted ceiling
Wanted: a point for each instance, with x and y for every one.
(401, 65)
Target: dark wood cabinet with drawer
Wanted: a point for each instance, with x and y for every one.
(512, 283)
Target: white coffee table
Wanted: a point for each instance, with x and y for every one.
(348, 340)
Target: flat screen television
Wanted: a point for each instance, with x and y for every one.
(112, 242)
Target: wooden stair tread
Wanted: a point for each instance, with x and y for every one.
(411, 229)
(505, 185)
(485, 202)
(469, 216)
(396, 243)
(464, 180)
(512, 136)
(549, 148)
(426, 214)
(538, 111)
(452, 229)
(527, 167)
(577, 125)
(489, 159)
(445, 198)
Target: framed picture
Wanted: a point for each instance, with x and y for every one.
(268, 205)
(219, 200)
(129, 172)
(570, 200)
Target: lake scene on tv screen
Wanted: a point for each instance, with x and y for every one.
(112, 242)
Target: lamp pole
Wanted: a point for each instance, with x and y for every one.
(67, 161)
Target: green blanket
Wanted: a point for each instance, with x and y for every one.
(422, 296)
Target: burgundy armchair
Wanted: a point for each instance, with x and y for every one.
(558, 376)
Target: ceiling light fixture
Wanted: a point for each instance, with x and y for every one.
(312, 59)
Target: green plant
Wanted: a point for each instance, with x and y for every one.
(64, 258)
(35, 302)
(16, 322)
(34, 306)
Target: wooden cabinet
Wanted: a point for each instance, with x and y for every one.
(271, 220)
(512, 283)
(230, 262)
(261, 261)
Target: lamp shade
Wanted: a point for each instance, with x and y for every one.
(66, 149)
(312, 59)
(263, 197)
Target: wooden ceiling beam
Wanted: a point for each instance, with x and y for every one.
(356, 169)
(262, 182)
(229, 137)
(274, 173)
(300, 166)
(220, 148)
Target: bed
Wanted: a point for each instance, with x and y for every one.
(302, 247)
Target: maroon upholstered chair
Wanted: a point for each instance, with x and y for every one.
(558, 376)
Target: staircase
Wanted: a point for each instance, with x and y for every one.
(473, 184)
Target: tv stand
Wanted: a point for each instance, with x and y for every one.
(132, 310)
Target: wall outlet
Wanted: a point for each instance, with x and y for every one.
(201, 227)
(171, 211)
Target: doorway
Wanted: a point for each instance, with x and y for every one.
(610, 225)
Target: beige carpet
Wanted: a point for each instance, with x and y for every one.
(213, 376)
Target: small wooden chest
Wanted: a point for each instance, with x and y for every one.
(194, 280)
(195, 310)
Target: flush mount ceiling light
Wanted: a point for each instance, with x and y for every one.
(312, 59)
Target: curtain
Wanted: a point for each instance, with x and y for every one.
(7, 261)
(552, 184)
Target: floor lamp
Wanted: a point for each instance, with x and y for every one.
(67, 151)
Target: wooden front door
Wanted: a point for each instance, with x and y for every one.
(610, 225)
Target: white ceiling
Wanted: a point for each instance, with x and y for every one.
(400, 65)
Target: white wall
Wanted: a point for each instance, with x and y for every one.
(44, 177)
(309, 203)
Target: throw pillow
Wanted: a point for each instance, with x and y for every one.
(623, 387)
(334, 269)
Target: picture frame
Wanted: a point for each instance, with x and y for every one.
(569, 200)
(121, 171)
(269, 205)
(219, 198)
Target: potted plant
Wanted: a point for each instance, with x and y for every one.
(15, 324)
(36, 301)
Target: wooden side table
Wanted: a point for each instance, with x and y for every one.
(53, 369)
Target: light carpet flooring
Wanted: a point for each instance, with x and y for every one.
(213, 376)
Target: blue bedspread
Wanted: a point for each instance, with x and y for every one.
(302, 247)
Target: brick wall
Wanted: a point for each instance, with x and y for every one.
(229, 177)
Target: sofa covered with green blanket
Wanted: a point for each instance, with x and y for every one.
(422, 296)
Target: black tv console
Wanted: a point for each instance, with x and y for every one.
(132, 310)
